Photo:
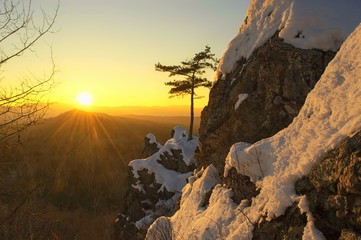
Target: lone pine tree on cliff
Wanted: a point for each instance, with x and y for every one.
(191, 71)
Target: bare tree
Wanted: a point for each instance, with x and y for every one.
(21, 27)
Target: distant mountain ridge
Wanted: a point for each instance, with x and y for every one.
(58, 108)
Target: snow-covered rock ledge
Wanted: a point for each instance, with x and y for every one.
(155, 183)
(170, 179)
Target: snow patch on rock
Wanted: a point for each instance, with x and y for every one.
(305, 24)
(152, 139)
(310, 232)
(241, 98)
(171, 180)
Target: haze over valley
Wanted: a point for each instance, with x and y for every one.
(79, 160)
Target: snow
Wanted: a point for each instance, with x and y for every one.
(321, 24)
(171, 180)
(139, 187)
(146, 221)
(241, 98)
(306, 24)
(331, 113)
(310, 231)
(153, 139)
(161, 230)
(245, 158)
(192, 200)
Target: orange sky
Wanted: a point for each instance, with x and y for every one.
(109, 48)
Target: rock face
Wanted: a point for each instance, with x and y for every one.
(241, 186)
(258, 98)
(151, 145)
(333, 189)
(150, 191)
(288, 226)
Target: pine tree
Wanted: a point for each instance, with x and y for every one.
(191, 71)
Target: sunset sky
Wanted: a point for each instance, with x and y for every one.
(109, 48)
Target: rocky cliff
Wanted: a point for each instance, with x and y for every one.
(274, 83)
(301, 183)
(283, 129)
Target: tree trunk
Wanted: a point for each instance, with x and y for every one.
(190, 132)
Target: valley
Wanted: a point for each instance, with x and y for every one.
(77, 163)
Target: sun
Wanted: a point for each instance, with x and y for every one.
(85, 99)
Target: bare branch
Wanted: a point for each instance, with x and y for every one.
(23, 27)
(249, 220)
(24, 105)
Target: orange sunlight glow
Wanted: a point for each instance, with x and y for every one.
(85, 99)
